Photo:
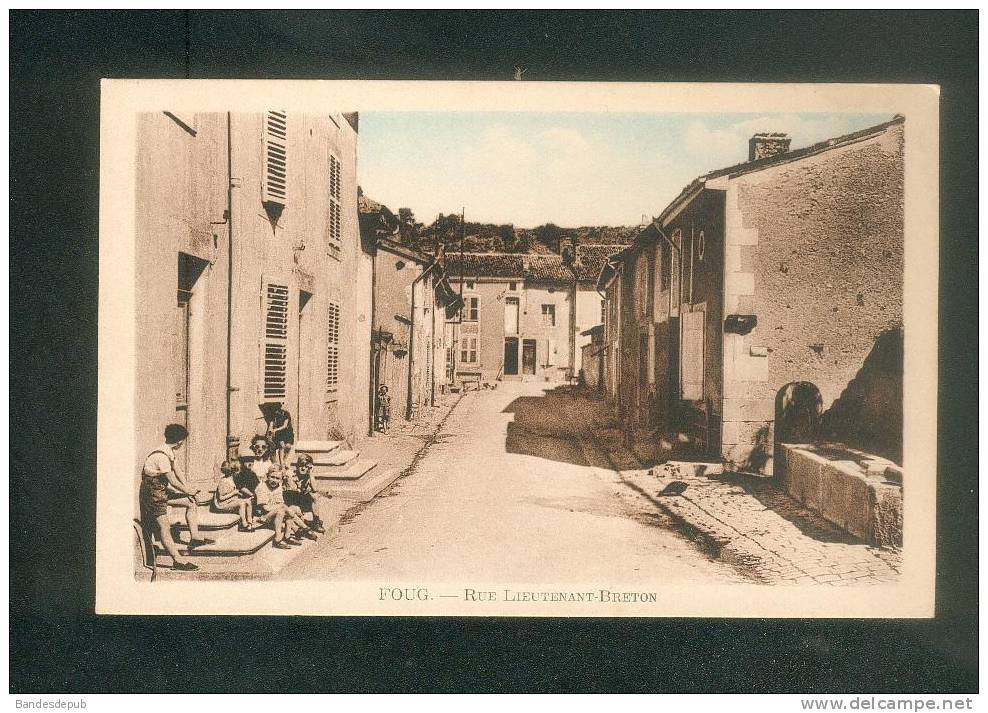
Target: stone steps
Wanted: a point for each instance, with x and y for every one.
(337, 459)
(313, 447)
(361, 489)
(230, 543)
(354, 471)
(208, 520)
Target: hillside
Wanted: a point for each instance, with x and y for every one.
(489, 237)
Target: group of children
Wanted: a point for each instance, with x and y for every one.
(265, 490)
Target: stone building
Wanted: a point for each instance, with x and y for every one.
(515, 319)
(412, 302)
(593, 358)
(765, 300)
(589, 260)
(252, 285)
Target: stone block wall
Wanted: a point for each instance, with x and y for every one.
(856, 492)
(814, 249)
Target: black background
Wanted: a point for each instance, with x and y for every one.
(58, 645)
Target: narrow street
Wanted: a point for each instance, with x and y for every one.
(509, 491)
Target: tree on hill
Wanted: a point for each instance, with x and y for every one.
(549, 235)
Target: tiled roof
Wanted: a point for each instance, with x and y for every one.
(779, 158)
(547, 268)
(533, 267)
(485, 265)
(591, 258)
(522, 266)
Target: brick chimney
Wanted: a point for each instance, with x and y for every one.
(765, 145)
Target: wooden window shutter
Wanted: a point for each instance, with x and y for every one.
(333, 348)
(692, 356)
(275, 158)
(335, 205)
(275, 341)
(335, 173)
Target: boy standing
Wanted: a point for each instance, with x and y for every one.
(383, 409)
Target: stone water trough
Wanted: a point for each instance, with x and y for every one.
(856, 491)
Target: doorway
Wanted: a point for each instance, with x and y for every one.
(188, 333)
(644, 407)
(303, 368)
(511, 356)
(528, 357)
(511, 316)
(798, 407)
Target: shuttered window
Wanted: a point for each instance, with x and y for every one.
(276, 158)
(333, 349)
(674, 261)
(468, 350)
(335, 204)
(472, 312)
(692, 356)
(275, 341)
(550, 352)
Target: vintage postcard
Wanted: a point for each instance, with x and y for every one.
(517, 349)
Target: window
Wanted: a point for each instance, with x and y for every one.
(472, 309)
(603, 311)
(511, 315)
(549, 315)
(333, 349)
(275, 158)
(275, 342)
(335, 206)
(692, 356)
(471, 285)
(674, 259)
(663, 266)
(513, 286)
(468, 350)
(701, 244)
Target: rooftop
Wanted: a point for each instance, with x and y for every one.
(529, 266)
(741, 169)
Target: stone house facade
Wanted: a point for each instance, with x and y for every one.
(517, 318)
(590, 259)
(251, 220)
(764, 300)
(412, 301)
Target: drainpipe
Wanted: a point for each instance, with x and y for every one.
(679, 250)
(411, 338)
(229, 283)
(374, 357)
(432, 346)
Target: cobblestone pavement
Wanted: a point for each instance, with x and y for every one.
(746, 521)
(510, 492)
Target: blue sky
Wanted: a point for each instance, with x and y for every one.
(567, 168)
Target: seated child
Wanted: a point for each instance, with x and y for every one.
(230, 497)
(301, 493)
(287, 521)
(261, 463)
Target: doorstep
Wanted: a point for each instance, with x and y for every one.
(257, 558)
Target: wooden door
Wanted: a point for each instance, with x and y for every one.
(511, 356)
(528, 357)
